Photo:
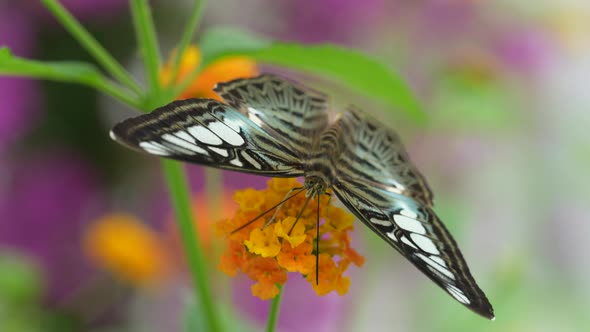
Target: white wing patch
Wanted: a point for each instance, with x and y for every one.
(185, 136)
(391, 236)
(226, 133)
(155, 148)
(458, 294)
(434, 266)
(191, 148)
(236, 162)
(381, 222)
(439, 260)
(204, 135)
(408, 242)
(251, 160)
(221, 152)
(409, 213)
(424, 243)
(409, 224)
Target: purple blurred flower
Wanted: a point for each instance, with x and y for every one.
(94, 8)
(81, 9)
(442, 20)
(301, 308)
(524, 50)
(45, 201)
(336, 21)
(19, 99)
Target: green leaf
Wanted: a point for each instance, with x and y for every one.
(20, 280)
(461, 103)
(63, 71)
(90, 44)
(147, 41)
(345, 66)
(221, 41)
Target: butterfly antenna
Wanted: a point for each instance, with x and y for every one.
(300, 214)
(267, 211)
(317, 246)
(280, 206)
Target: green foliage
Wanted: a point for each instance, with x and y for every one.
(347, 67)
(62, 71)
(20, 282)
(465, 104)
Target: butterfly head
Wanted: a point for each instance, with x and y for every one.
(315, 185)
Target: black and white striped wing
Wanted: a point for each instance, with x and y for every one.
(376, 153)
(208, 132)
(378, 183)
(414, 230)
(285, 109)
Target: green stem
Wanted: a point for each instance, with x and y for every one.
(53, 72)
(91, 45)
(214, 191)
(187, 35)
(147, 42)
(273, 315)
(112, 89)
(179, 194)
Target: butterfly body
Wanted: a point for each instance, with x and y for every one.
(275, 127)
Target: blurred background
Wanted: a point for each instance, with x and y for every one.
(86, 235)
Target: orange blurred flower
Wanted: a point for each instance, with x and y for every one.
(266, 253)
(225, 69)
(130, 250)
(204, 216)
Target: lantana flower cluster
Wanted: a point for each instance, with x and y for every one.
(266, 252)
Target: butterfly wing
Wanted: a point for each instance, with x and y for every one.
(377, 152)
(287, 110)
(208, 132)
(377, 182)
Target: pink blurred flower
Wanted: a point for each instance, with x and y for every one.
(525, 50)
(19, 98)
(45, 201)
(301, 308)
(82, 9)
(338, 21)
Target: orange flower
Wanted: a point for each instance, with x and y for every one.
(297, 235)
(126, 247)
(267, 252)
(297, 259)
(225, 69)
(268, 273)
(330, 277)
(263, 242)
(203, 215)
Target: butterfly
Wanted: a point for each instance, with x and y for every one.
(272, 126)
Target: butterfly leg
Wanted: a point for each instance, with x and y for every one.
(267, 211)
(278, 208)
(300, 214)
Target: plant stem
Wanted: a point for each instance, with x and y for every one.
(187, 35)
(91, 45)
(214, 191)
(115, 91)
(179, 194)
(147, 42)
(273, 315)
